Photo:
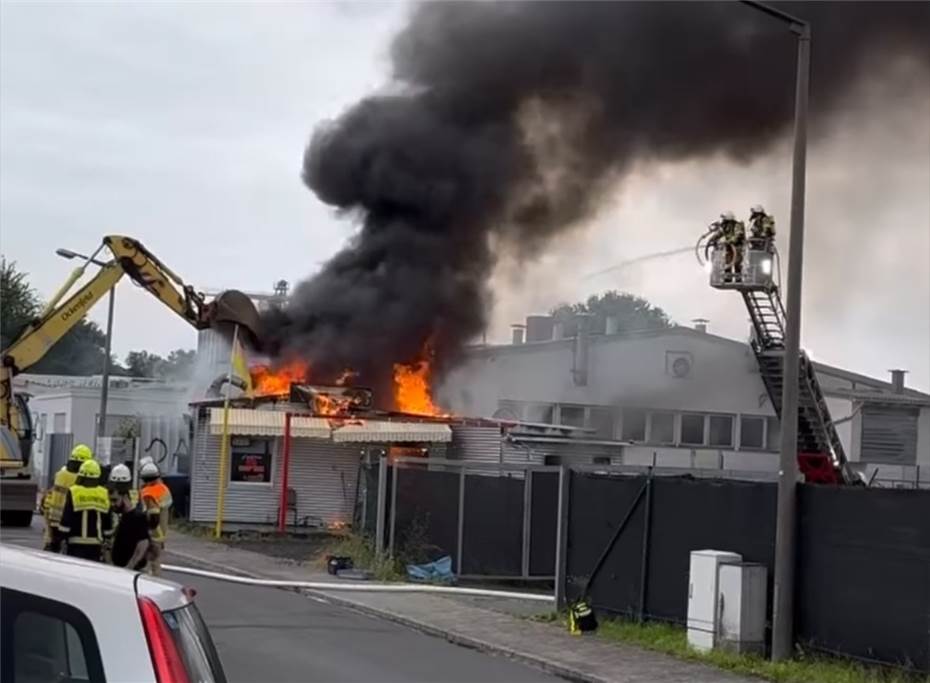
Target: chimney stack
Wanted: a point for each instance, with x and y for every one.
(700, 324)
(611, 325)
(538, 328)
(517, 332)
(897, 380)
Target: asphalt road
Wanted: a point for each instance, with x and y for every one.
(265, 634)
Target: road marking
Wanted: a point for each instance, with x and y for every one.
(316, 598)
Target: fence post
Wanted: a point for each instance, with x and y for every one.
(561, 536)
(527, 521)
(647, 532)
(394, 475)
(460, 538)
(382, 493)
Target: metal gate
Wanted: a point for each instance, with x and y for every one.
(57, 449)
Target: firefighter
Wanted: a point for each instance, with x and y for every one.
(156, 498)
(53, 503)
(86, 523)
(761, 225)
(120, 481)
(731, 234)
(131, 535)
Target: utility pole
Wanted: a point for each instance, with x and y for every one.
(785, 545)
(105, 379)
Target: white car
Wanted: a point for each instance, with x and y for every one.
(67, 620)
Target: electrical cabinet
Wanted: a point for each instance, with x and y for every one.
(703, 615)
(741, 607)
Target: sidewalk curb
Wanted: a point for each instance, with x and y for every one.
(536, 661)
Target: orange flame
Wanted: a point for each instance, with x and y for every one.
(412, 392)
(267, 380)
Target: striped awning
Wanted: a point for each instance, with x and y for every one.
(268, 423)
(383, 431)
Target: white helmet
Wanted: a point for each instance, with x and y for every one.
(120, 474)
(757, 209)
(149, 471)
(146, 460)
(728, 216)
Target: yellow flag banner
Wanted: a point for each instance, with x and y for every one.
(240, 366)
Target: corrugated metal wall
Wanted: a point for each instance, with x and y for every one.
(889, 434)
(545, 453)
(475, 443)
(322, 473)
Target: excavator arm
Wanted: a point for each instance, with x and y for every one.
(132, 259)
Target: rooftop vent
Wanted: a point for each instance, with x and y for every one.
(897, 380)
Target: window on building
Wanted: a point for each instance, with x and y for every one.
(601, 420)
(251, 459)
(721, 430)
(751, 432)
(509, 410)
(573, 416)
(634, 424)
(662, 428)
(773, 434)
(539, 412)
(125, 426)
(692, 430)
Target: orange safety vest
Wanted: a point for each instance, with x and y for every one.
(161, 495)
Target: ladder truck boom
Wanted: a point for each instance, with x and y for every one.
(821, 457)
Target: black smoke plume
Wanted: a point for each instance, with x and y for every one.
(507, 122)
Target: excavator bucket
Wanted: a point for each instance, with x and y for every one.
(232, 308)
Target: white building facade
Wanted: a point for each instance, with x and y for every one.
(684, 398)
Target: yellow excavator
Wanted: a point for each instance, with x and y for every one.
(230, 308)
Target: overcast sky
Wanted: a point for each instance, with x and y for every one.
(184, 124)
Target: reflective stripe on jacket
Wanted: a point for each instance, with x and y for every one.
(55, 499)
(86, 518)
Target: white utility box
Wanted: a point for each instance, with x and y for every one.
(702, 595)
(742, 592)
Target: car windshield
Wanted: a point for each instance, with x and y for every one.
(193, 640)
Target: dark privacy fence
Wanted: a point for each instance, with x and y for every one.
(502, 526)
(863, 572)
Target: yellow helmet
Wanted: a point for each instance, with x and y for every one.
(81, 453)
(89, 469)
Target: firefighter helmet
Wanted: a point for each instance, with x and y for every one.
(149, 471)
(90, 469)
(81, 453)
(120, 474)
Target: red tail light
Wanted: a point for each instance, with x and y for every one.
(166, 659)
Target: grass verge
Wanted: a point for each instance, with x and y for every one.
(805, 668)
(362, 552)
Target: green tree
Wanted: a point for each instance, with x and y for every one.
(179, 364)
(19, 304)
(632, 313)
(79, 352)
(144, 364)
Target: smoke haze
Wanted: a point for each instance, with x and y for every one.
(509, 124)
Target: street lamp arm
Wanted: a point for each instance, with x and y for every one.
(798, 26)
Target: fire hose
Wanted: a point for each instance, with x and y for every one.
(360, 587)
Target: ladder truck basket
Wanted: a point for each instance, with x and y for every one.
(754, 272)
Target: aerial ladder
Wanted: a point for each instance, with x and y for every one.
(821, 457)
(130, 258)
